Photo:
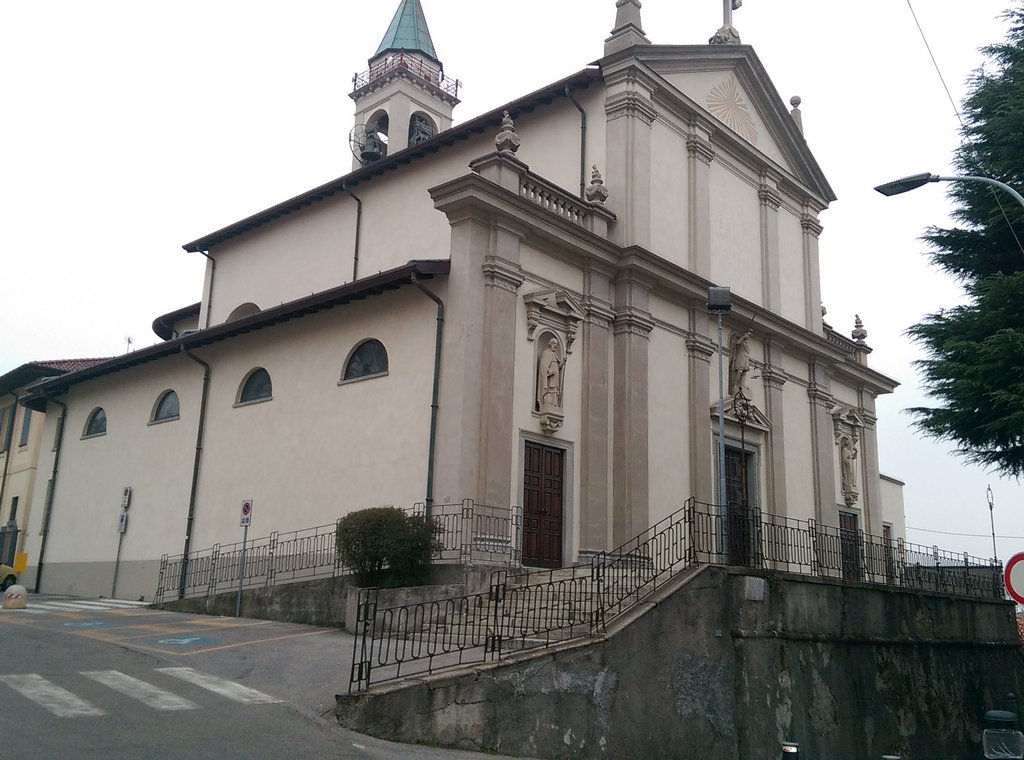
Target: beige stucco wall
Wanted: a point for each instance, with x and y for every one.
(735, 233)
(669, 194)
(792, 270)
(21, 469)
(799, 452)
(669, 416)
(314, 452)
(892, 506)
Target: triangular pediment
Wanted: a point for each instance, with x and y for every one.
(755, 418)
(729, 85)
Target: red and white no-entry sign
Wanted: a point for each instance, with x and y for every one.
(1013, 577)
(246, 520)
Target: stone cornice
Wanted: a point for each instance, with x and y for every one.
(502, 274)
(472, 198)
(810, 225)
(769, 197)
(773, 377)
(598, 313)
(821, 397)
(630, 104)
(700, 149)
(632, 321)
(700, 348)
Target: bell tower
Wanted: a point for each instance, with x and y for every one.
(404, 97)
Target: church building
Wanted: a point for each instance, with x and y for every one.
(538, 329)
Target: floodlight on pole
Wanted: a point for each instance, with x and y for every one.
(719, 302)
(915, 181)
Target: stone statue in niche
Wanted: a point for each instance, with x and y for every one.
(848, 468)
(739, 363)
(550, 384)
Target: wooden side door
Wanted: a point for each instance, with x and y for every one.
(543, 486)
(850, 546)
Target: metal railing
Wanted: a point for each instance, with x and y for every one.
(545, 607)
(472, 532)
(299, 555)
(469, 533)
(414, 66)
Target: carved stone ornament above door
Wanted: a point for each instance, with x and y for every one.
(556, 310)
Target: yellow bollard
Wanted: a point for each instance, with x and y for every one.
(20, 562)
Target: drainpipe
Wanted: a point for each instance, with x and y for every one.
(583, 142)
(8, 434)
(195, 470)
(432, 445)
(359, 225)
(48, 505)
(213, 272)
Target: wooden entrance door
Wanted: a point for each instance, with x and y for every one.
(850, 546)
(740, 525)
(542, 505)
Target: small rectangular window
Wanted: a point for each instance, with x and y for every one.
(26, 424)
(14, 509)
(6, 423)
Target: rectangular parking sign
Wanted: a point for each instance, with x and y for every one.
(246, 520)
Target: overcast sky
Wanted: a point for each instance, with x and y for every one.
(133, 126)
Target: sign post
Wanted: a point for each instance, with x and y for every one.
(245, 521)
(1013, 577)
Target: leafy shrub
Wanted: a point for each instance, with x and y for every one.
(384, 546)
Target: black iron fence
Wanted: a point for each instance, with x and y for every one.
(541, 608)
(470, 533)
(299, 555)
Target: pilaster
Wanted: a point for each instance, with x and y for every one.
(812, 271)
(631, 329)
(822, 443)
(771, 200)
(595, 507)
(630, 111)
(700, 154)
(502, 278)
(700, 350)
(872, 497)
(775, 455)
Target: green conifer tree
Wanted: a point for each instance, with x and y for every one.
(974, 368)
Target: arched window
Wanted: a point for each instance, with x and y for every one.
(96, 424)
(369, 359)
(166, 407)
(242, 311)
(421, 128)
(256, 387)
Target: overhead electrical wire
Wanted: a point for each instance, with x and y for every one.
(959, 117)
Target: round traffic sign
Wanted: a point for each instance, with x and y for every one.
(1013, 577)
(246, 508)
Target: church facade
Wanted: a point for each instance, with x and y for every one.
(533, 330)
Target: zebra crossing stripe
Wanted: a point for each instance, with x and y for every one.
(65, 607)
(146, 693)
(233, 691)
(58, 701)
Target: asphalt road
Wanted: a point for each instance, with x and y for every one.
(108, 679)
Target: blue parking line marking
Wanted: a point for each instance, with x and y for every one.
(182, 642)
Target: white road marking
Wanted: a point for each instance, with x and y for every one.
(230, 689)
(66, 606)
(60, 702)
(146, 693)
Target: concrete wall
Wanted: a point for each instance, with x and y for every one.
(727, 667)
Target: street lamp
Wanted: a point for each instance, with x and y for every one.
(915, 181)
(719, 302)
(992, 519)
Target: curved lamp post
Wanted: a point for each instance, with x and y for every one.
(915, 181)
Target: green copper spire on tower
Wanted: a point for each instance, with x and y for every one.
(408, 31)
